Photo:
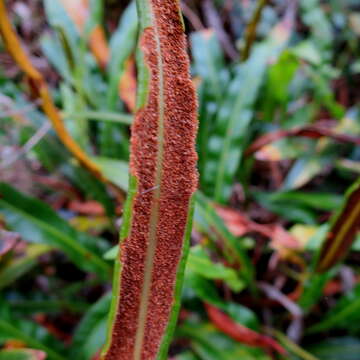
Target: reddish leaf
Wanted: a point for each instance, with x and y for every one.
(8, 240)
(78, 11)
(99, 46)
(310, 131)
(241, 333)
(87, 208)
(239, 225)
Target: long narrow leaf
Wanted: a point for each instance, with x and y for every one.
(14, 268)
(233, 249)
(37, 222)
(228, 140)
(122, 44)
(39, 86)
(209, 62)
(209, 65)
(345, 314)
(7, 330)
(156, 228)
(22, 354)
(89, 335)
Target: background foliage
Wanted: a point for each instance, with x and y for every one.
(278, 145)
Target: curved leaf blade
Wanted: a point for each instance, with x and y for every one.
(22, 354)
(7, 330)
(37, 222)
(90, 334)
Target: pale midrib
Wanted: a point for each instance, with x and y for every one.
(154, 215)
(342, 233)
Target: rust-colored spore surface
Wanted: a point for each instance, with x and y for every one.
(164, 48)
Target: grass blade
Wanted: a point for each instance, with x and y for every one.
(89, 335)
(37, 222)
(250, 32)
(14, 268)
(22, 354)
(345, 314)
(233, 249)
(102, 116)
(228, 140)
(7, 330)
(122, 44)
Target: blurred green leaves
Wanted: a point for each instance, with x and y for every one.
(90, 334)
(344, 315)
(22, 354)
(209, 344)
(14, 267)
(200, 263)
(226, 141)
(38, 223)
(234, 250)
(29, 336)
(298, 182)
(344, 348)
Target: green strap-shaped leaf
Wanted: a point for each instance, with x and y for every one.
(163, 178)
(200, 263)
(231, 129)
(22, 354)
(344, 348)
(344, 315)
(227, 140)
(234, 250)
(122, 44)
(209, 62)
(89, 335)
(209, 65)
(113, 138)
(9, 331)
(14, 268)
(314, 16)
(37, 222)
